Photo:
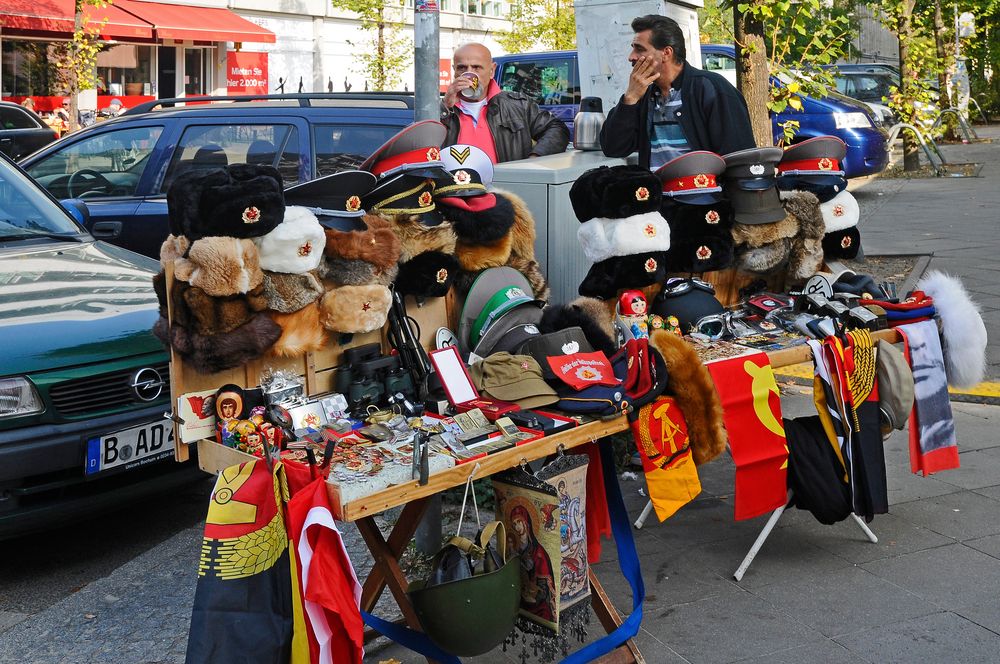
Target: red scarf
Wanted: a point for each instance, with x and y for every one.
(478, 133)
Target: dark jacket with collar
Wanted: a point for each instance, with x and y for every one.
(515, 120)
(713, 117)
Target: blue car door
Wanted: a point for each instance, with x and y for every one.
(551, 79)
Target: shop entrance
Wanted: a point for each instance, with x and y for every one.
(166, 70)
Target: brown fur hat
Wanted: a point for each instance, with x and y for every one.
(476, 257)
(522, 248)
(692, 387)
(533, 271)
(416, 238)
(767, 259)
(806, 257)
(353, 272)
(351, 309)
(378, 245)
(286, 293)
(757, 235)
(589, 314)
(221, 315)
(301, 332)
(174, 247)
(221, 266)
(212, 354)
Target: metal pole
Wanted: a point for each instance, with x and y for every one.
(426, 56)
(427, 106)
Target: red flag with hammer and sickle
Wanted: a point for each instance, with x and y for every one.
(752, 414)
(662, 439)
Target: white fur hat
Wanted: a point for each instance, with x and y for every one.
(840, 212)
(295, 245)
(604, 238)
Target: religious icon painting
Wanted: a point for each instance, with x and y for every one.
(568, 474)
(529, 510)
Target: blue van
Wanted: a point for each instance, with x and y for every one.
(553, 79)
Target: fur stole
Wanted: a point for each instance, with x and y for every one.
(766, 259)
(301, 332)
(416, 238)
(590, 315)
(522, 248)
(221, 266)
(757, 235)
(476, 257)
(692, 387)
(963, 333)
(378, 245)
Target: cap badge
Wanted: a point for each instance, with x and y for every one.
(433, 154)
(511, 293)
(757, 169)
(460, 155)
(251, 215)
(642, 194)
(353, 204)
(649, 230)
(570, 347)
(712, 217)
(524, 365)
(588, 373)
(825, 164)
(462, 177)
(366, 306)
(425, 199)
(442, 276)
(703, 253)
(701, 180)
(838, 210)
(846, 242)
(531, 329)
(305, 249)
(650, 265)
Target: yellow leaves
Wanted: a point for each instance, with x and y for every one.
(795, 102)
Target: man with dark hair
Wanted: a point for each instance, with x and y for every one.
(670, 106)
(505, 125)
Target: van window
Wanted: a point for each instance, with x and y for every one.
(205, 147)
(344, 147)
(549, 81)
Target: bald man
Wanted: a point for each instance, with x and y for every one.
(506, 125)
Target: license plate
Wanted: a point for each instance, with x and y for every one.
(130, 448)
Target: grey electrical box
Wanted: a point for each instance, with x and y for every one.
(544, 184)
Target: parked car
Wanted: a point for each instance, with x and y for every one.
(83, 382)
(21, 131)
(873, 88)
(124, 166)
(551, 78)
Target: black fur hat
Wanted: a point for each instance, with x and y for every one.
(606, 278)
(478, 226)
(615, 192)
(558, 317)
(842, 244)
(219, 352)
(694, 220)
(429, 274)
(700, 254)
(241, 201)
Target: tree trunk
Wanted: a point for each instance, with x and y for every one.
(911, 156)
(951, 131)
(752, 73)
(74, 76)
(380, 73)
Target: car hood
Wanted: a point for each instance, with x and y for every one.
(69, 304)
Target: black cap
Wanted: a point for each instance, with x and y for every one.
(337, 195)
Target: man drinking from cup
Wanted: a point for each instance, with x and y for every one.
(505, 125)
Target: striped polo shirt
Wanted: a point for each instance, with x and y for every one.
(666, 137)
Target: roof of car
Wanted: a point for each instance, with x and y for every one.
(265, 103)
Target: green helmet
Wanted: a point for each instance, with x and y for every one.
(471, 613)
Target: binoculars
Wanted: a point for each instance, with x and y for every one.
(367, 377)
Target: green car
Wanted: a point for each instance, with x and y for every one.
(84, 384)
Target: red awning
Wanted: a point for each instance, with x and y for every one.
(56, 16)
(196, 23)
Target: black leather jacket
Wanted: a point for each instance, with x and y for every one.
(519, 127)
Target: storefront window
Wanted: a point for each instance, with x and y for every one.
(125, 69)
(195, 78)
(28, 69)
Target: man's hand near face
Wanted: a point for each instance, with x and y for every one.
(451, 95)
(644, 72)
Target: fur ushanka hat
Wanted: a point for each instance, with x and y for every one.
(355, 309)
(242, 201)
(287, 293)
(222, 266)
(606, 278)
(700, 238)
(219, 352)
(427, 264)
(295, 246)
(368, 254)
(614, 192)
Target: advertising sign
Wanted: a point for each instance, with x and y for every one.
(444, 68)
(246, 73)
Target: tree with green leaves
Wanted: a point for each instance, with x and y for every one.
(784, 41)
(76, 60)
(545, 24)
(383, 58)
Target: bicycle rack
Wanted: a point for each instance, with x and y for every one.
(898, 128)
(980, 109)
(967, 131)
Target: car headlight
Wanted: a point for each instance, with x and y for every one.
(851, 121)
(18, 397)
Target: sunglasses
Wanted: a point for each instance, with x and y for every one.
(679, 285)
